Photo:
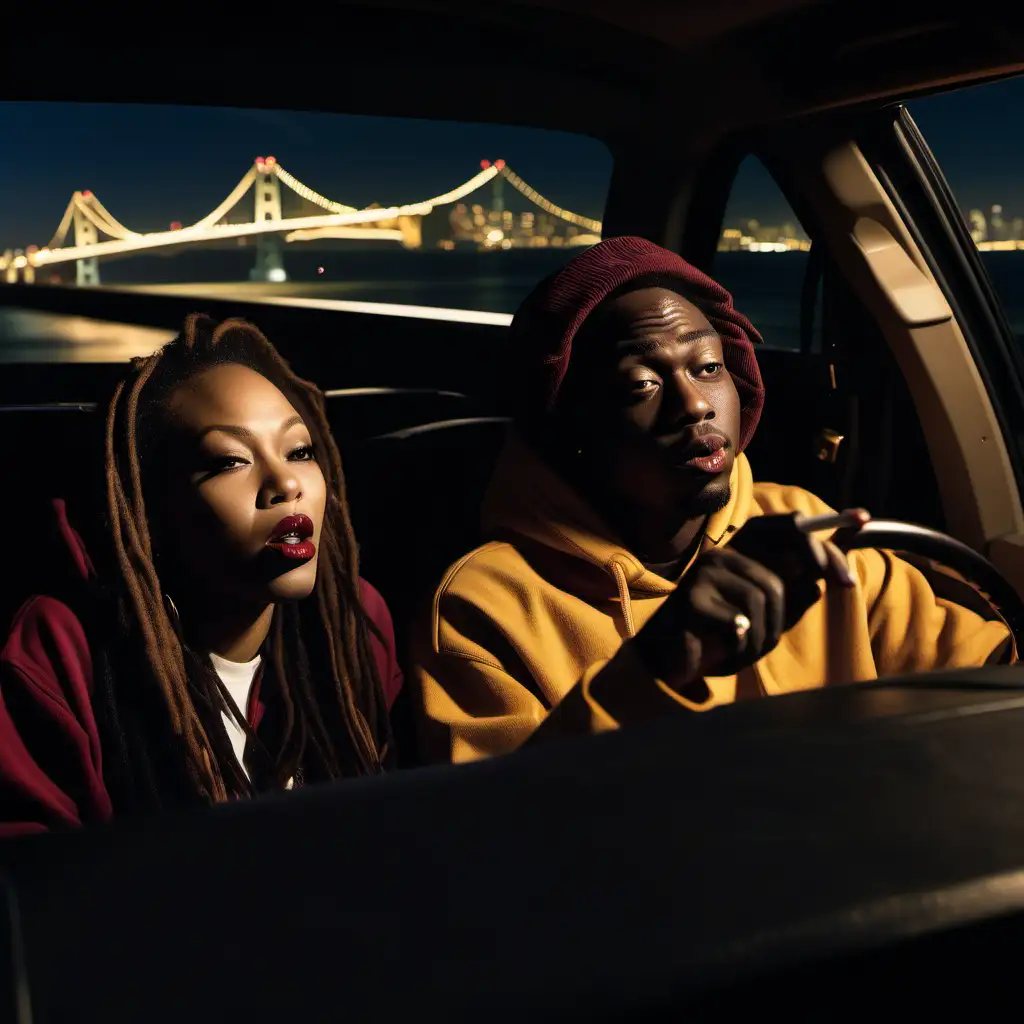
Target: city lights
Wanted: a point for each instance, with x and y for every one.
(752, 236)
(88, 230)
(97, 233)
(994, 233)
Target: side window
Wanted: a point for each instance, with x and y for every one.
(762, 256)
(975, 136)
(342, 212)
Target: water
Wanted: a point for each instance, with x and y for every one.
(766, 288)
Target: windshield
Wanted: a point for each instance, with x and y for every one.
(288, 206)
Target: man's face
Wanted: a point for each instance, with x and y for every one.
(651, 405)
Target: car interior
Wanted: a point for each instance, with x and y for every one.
(905, 395)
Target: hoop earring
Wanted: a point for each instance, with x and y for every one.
(172, 613)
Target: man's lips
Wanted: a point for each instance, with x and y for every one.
(291, 537)
(707, 454)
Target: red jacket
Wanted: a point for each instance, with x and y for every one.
(51, 764)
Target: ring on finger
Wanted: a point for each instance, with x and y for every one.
(741, 624)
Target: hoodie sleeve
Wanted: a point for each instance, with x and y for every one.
(920, 618)
(477, 702)
(921, 621)
(384, 650)
(51, 773)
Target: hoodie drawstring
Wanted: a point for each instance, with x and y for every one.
(627, 606)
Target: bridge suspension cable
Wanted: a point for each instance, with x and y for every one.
(465, 188)
(65, 225)
(90, 205)
(546, 205)
(305, 192)
(340, 216)
(233, 197)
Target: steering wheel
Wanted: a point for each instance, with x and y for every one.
(926, 543)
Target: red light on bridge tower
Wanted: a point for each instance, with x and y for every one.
(499, 164)
(270, 161)
(87, 194)
(175, 225)
(484, 164)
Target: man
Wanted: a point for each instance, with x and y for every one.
(635, 569)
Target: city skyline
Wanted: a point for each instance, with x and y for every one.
(154, 165)
(991, 228)
(995, 230)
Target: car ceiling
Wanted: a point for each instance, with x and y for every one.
(610, 69)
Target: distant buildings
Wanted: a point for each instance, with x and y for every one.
(994, 232)
(752, 236)
(990, 231)
(497, 228)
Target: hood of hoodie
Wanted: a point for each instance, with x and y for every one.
(69, 548)
(530, 506)
(545, 327)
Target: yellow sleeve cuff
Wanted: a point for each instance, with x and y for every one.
(622, 689)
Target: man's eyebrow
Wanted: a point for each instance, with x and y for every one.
(644, 346)
(244, 432)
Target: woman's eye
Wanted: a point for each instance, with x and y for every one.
(711, 369)
(223, 462)
(646, 386)
(304, 453)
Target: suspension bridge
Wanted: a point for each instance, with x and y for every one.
(96, 233)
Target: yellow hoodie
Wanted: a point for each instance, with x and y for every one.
(526, 634)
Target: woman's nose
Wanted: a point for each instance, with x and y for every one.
(281, 486)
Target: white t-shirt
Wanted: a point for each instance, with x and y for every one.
(237, 677)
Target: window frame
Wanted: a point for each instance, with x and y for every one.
(913, 179)
(817, 163)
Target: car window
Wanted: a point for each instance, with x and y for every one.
(251, 203)
(762, 255)
(977, 137)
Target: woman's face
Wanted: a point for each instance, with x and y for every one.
(245, 494)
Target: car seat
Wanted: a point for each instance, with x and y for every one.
(415, 497)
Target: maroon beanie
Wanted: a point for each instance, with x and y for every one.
(553, 313)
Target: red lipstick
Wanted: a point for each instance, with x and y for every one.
(292, 537)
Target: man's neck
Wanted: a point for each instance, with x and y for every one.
(655, 537)
(657, 541)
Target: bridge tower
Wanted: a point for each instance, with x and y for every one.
(412, 231)
(87, 271)
(269, 247)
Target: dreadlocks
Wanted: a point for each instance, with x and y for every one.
(317, 655)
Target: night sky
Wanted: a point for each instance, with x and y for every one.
(976, 135)
(154, 165)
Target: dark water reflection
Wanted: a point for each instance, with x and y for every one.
(765, 287)
(29, 336)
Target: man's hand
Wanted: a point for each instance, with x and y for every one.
(786, 546)
(735, 603)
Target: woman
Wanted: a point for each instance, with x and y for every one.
(227, 645)
(635, 568)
